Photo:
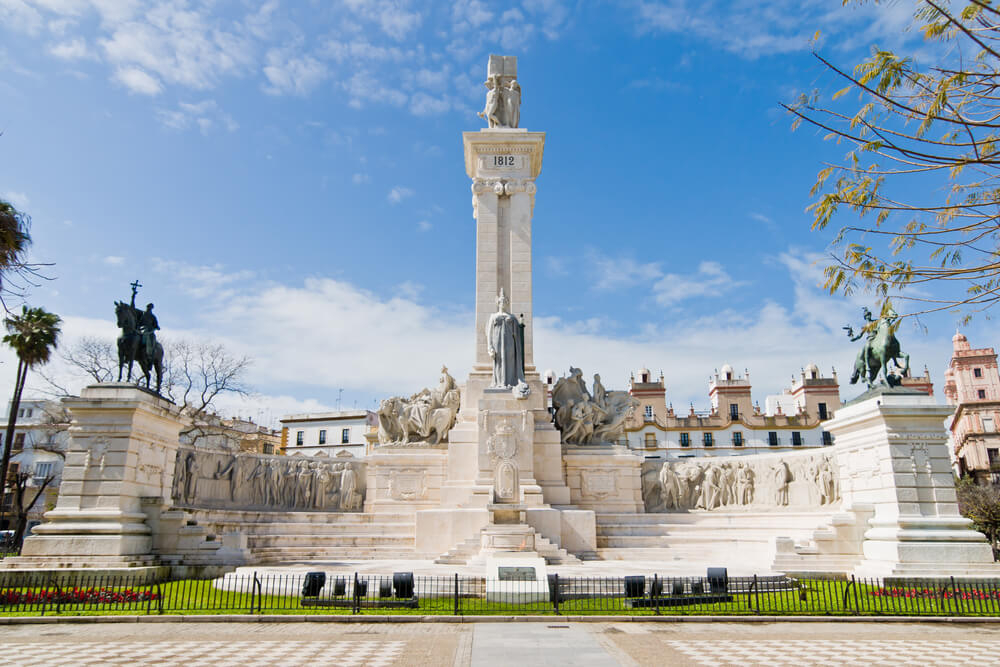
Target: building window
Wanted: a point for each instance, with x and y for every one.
(42, 470)
(644, 378)
(322, 436)
(737, 439)
(685, 439)
(27, 412)
(300, 438)
(822, 411)
(648, 412)
(796, 439)
(734, 411)
(20, 413)
(650, 441)
(269, 449)
(772, 438)
(345, 436)
(977, 372)
(992, 454)
(827, 438)
(707, 440)
(18, 442)
(981, 393)
(988, 425)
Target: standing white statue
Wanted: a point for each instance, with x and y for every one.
(505, 344)
(503, 93)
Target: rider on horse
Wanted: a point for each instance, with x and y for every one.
(148, 325)
(863, 354)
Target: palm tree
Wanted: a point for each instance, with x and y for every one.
(33, 334)
(14, 239)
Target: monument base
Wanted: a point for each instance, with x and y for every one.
(892, 453)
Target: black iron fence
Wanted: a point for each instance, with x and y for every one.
(403, 593)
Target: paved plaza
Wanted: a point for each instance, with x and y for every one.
(548, 642)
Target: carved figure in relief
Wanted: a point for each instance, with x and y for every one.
(229, 472)
(782, 476)
(584, 419)
(191, 470)
(350, 499)
(744, 484)
(670, 488)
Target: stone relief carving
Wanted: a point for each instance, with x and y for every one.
(221, 480)
(735, 482)
(586, 419)
(97, 452)
(502, 447)
(598, 484)
(408, 484)
(422, 419)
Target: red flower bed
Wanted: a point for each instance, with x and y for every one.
(933, 594)
(75, 596)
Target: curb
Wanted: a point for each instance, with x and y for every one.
(266, 618)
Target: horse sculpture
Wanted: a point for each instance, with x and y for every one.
(881, 349)
(131, 349)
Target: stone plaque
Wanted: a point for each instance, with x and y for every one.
(502, 162)
(516, 573)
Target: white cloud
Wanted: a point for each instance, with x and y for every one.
(709, 281)
(360, 178)
(74, 49)
(424, 226)
(138, 81)
(20, 16)
(398, 194)
(114, 260)
(393, 17)
(363, 87)
(205, 115)
(422, 104)
(615, 273)
(19, 199)
(765, 220)
(289, 73)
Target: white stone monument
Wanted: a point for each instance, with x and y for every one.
(504, 455)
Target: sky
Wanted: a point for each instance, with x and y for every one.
(287, 179)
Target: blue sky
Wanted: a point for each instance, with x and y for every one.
(287, 179)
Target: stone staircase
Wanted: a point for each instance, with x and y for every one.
(467, 552)
(744, 540)
(319, 536)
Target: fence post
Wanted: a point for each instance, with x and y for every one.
(846, 592)
(253, 591)
(555, 593)
(654, 596)
(457, 612)
(753, 589)
(959, 607)
(357, 595)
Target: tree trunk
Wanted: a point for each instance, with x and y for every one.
(15, 402)
(21, 510)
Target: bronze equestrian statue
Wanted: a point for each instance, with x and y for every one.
(138, 340)
(879, 349)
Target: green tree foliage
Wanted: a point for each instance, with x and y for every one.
(33, 335)
(919, 183)
(981, 504)
(14, 243)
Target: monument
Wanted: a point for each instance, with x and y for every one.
(482, 472)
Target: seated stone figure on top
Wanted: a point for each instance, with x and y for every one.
(586, 419)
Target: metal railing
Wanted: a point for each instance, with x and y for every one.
(403, 593)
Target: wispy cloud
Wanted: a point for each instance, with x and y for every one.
(398, 194)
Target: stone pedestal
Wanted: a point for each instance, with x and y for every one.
(122, 450)
(606, 478)
(892, 454)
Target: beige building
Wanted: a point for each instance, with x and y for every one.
(972, 385)
(734, 424)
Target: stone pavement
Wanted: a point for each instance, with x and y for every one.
(546, 642)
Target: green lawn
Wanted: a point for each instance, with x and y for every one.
(809, 597)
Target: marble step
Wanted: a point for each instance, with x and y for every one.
(716, 518)
(292, 541)
(660, 541)
(330, 529)
(320, 553)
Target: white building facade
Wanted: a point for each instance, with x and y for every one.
(327, 433)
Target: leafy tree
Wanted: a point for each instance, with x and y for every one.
(921, 173)
(33, 335)
(25, 498)
(16, 273)
(981, 503)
